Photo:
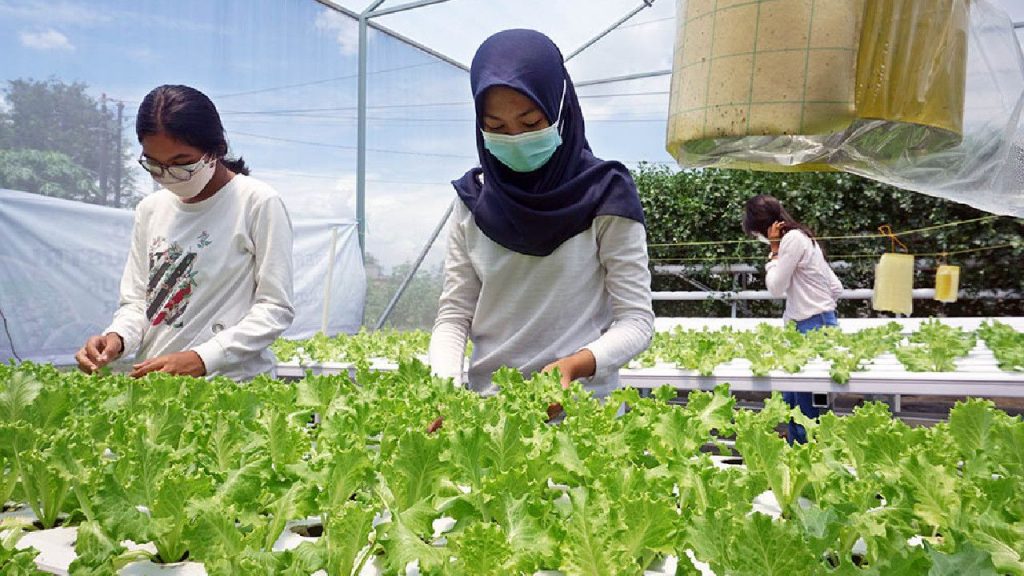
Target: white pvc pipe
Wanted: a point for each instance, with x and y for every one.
(329, 281)
(858, 294)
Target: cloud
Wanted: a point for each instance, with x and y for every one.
(50, 12)
(399, 216)
(142, 54)
(398, 226)
(46, 40)
(345, 30)
(319, 193)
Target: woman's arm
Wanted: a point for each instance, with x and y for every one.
(622, 249)
(272, 313)
(779, 271)
(457, 304)
(130, 320)
(834, 285)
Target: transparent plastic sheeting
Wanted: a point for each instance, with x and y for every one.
(61, 263)
(925, 95)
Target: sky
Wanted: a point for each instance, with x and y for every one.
(282, 74)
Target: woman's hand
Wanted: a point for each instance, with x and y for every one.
(186, 363)
(98, 352)
(579, 365)
(776, 230)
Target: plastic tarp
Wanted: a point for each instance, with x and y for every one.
(61, 263)
(925, 95)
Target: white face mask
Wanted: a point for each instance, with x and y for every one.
(762, 238)
(194, 185)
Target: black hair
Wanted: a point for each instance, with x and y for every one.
(763, 210)
(189, 116)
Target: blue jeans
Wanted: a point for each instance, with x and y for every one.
(804, 399)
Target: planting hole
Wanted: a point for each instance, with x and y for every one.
(158, 560)
(314, 531)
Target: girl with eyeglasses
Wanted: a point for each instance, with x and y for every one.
(208, 282)
(546, 265)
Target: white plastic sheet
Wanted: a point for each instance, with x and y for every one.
(61, 263)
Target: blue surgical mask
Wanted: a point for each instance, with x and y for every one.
(528, 151)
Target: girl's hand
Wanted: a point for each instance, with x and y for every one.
(579, 365)
(554, 410)
(435, 425)
(186, 363)
(776, 230)
(98, 352)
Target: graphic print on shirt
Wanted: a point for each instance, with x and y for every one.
(171, 280)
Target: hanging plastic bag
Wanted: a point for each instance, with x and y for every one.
(894, 279)
(762, 77)
(911, 70)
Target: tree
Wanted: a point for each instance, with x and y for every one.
(47, 173)
(92, 159)
(417, 307)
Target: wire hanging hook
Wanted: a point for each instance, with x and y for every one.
(886, 230)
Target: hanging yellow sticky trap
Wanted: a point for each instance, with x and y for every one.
(894, 279)
(947, 283)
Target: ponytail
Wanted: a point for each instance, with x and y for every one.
(237, 166)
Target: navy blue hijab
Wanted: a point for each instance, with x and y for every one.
(535, 212)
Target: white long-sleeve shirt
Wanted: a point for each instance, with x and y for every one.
(521, 311)
(214, 277)
(801, 275)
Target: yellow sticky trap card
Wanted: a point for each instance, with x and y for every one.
(947, 283)
(894, 279)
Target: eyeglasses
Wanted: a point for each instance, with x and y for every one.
(181, 173)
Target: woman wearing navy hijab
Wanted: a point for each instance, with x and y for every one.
(547, 256)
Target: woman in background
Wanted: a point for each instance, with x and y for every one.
(797, 271)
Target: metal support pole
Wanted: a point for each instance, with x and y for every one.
(364, 25)
(734, 302)
(361, 130)
(415, 266)
(608, 30)
(104, 130)
(401, 38)
(120, 153)
(404, 7)
(625, 78)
